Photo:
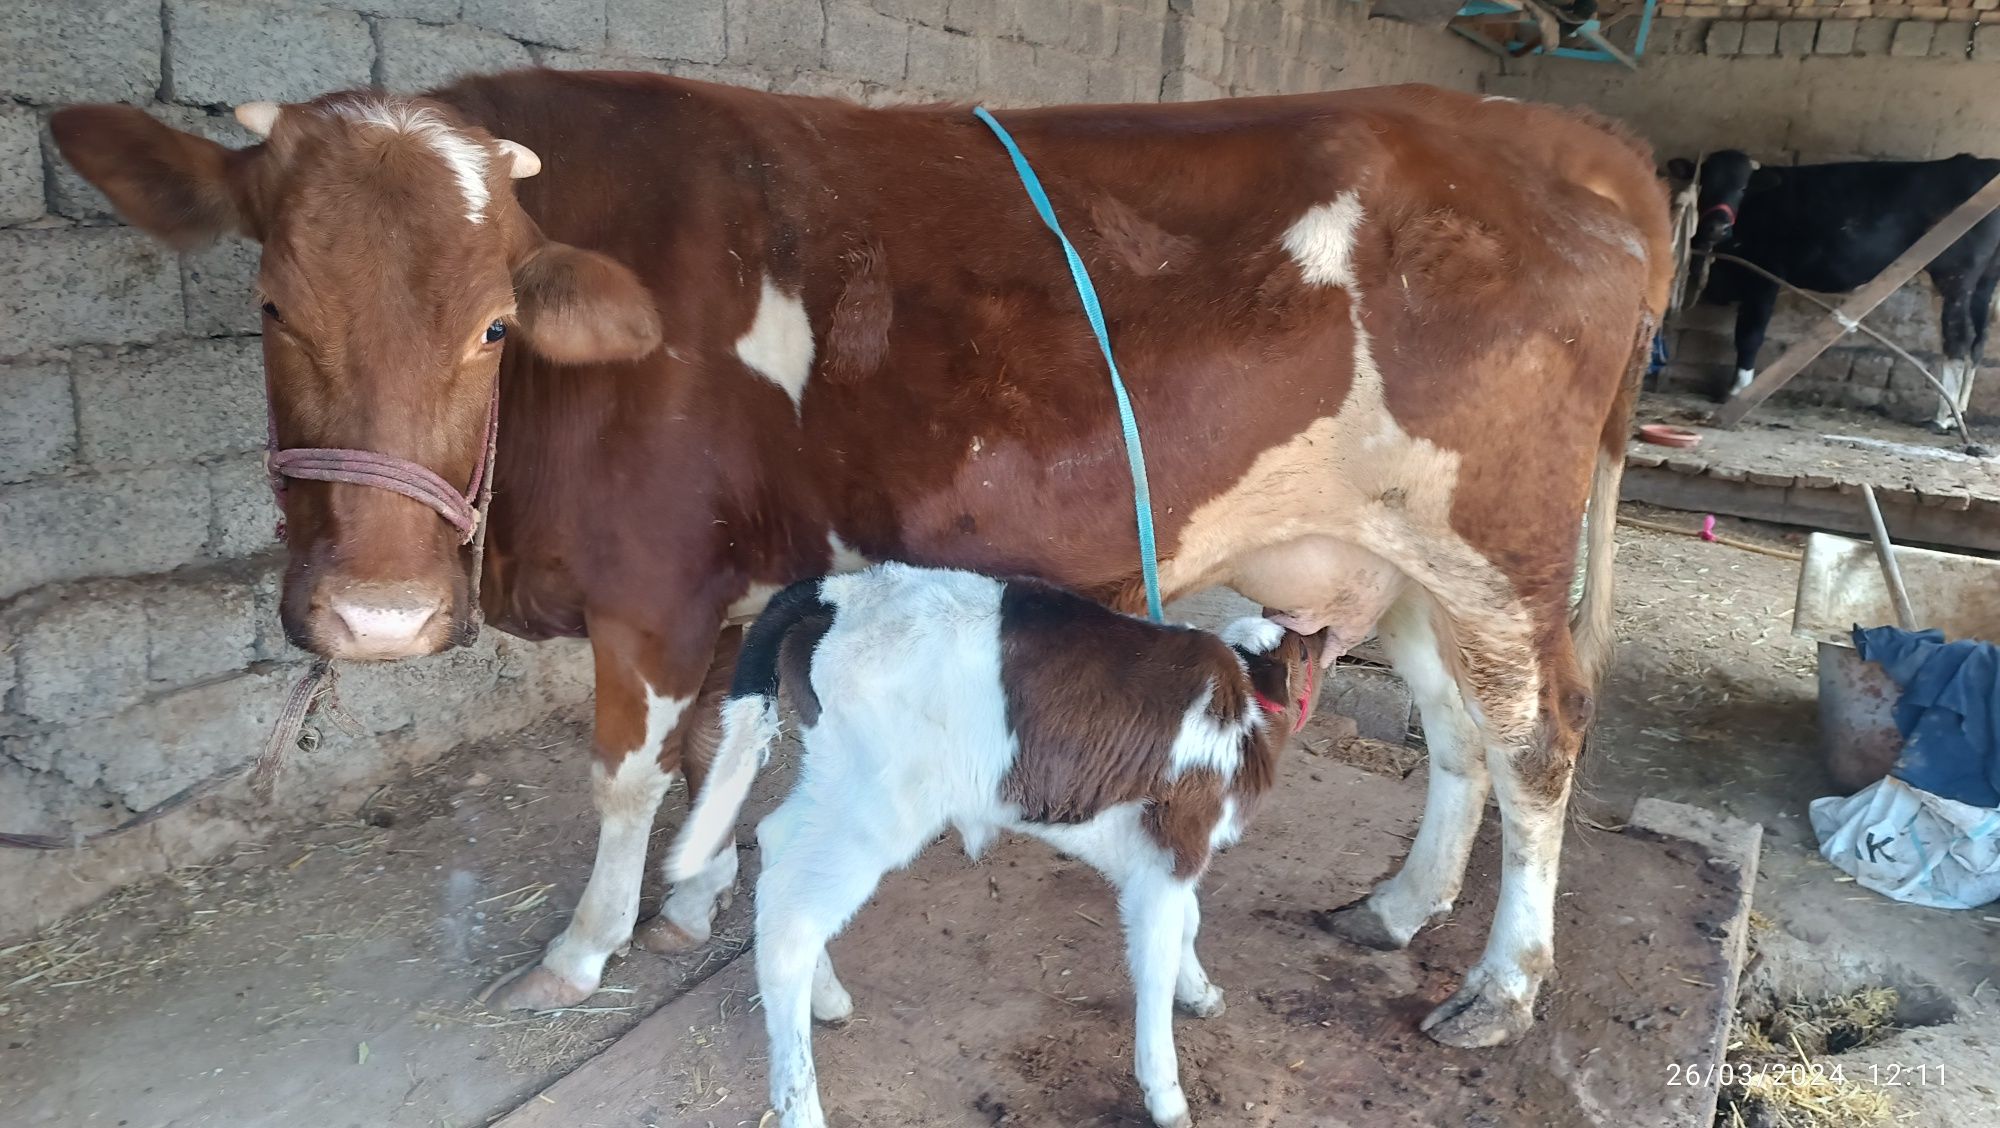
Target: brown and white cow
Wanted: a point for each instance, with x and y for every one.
(1382, 344)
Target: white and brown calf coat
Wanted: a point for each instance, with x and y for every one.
(937, 699)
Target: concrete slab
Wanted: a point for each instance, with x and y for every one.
(995, 994)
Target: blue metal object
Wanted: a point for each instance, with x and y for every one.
(1142, 494)
(1590, 31)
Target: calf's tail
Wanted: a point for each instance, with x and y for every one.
(749, 728)
(1591, 625)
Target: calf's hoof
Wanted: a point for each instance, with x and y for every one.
(663, 937)
(1358, 923)
(1479, 1016)
(538, 989)
(1209, 1005)
(832, 1006)
(1169, 1109)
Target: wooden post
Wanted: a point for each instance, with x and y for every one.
(1858, 304)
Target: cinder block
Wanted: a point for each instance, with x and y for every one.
(219, 285)
(865, 43)
(558, 23)
(1872, 36)
(174, 403)
(1760, 37)
(1093, 29)
(20, 165)
(1007, 72)
(1986, 43)
(61, 51)
(982, 17)
(668, 29)
(1377, 699)
(418, 57)
(1795, 37)
(1064, 78)
(105, 285)
(1725, 37)
(786, 34)
(85, 655)
(430, 11)
(945, 62)
(225, 53)
(1836, 37)
(1871, 369)
(241, 514)
(266, 589)
(1952, 41)
(1110, 82)
(1139, 36)
(1203, 49)
(37, 421)
(1045, 21)
(199, 629)
(100, 525)
(147, 753)
(1912, 39)
(9, 670)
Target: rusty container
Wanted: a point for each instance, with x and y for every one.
(1841, 587)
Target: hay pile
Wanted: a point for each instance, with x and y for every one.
(1783, 1069)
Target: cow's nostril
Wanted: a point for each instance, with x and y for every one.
(383, 626)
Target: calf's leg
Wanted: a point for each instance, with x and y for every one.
(1193, 992)
(685, 920)
(1155, 909)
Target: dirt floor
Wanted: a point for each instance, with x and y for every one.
(326, 977)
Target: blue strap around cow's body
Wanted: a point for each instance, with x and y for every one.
(1142, 495)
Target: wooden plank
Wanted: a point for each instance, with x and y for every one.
(1976, 529)
(1861, 302)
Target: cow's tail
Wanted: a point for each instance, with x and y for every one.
(1590, 623)
(749, 728)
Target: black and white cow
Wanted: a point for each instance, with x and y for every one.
(1831, 228)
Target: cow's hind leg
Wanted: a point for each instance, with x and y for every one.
(1428, 882)
(1955, 296)
(1535, 707)
(685, 920)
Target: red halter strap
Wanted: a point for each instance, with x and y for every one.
(1271, 708)
(397, 475)
(1728, 212)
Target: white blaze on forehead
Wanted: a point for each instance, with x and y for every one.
(779, 345)
(464, 157)
(1322, 241)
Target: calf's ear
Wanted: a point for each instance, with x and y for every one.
(580, 307)
(172, 185)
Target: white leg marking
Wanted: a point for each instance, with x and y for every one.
(1743, 378)
(1322, 241)
(750, 605)
(691, 906)
(779, 344)
(1429, 879)
(1193, 991)
(1952, 375)
(830, 1000)
(626, 801)
(1154, 906)
(845, 559)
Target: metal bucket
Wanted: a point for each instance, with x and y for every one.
(1841, 587)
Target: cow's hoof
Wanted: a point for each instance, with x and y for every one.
(1169, 1109)
(1478, 1017)
(1358, 923)
(663, 937)
(1209, 1005)
(538, 989)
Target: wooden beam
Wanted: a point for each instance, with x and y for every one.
(1861, 302)
(1833, 510)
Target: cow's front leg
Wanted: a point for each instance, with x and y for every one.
(686, 918)
(643, 694)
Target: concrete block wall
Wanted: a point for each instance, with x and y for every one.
(1853, 96)
(139, 645)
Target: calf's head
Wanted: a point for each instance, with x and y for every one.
(1727, 178)
(396, 268)
(1283, 667)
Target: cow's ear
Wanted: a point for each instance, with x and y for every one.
(580, 307)
(1680, 168)
(172, 185)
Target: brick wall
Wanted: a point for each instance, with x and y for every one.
(1832, 89)
(139, 647)
(1954, 11)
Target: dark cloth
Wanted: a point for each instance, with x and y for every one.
(1949, 712)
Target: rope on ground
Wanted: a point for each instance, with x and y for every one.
(1718, 538)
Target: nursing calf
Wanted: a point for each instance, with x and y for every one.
(937, 699)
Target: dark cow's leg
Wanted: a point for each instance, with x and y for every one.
(684, 920)
(1753, 318)
(646, 681)
(1955, 295)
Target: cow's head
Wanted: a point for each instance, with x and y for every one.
(396, 267)
(1727, 177)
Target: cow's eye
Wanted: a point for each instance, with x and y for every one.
(271, 312)
(495, 331)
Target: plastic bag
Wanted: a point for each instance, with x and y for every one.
(1912, 845)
